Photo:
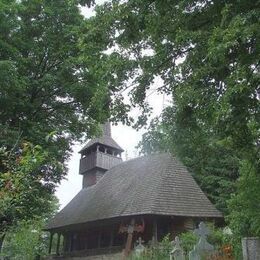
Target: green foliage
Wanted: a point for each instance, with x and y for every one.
(26, 191)
(49, 97)
(160, 251)
(26, 241)
(207, 55)
(188, 240)
(205, 52)
(244, 205)
(45, 85)
(218, 237)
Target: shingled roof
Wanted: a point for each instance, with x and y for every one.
(156, 184)
(105, 140)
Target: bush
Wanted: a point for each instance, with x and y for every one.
(158, 252)
(26, 241)
(188, 240)
(220, 238)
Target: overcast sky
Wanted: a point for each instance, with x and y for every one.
(125, 136)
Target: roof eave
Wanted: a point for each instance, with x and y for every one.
(87, 147)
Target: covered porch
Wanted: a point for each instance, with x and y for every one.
(115, 235)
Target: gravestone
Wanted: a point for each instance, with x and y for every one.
(251, 248)
(194, 254)
(177, 252)
(139, 249)
(203, 247)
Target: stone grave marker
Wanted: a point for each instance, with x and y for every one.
(203, 247)
(194, 254)
(177, 252)
(251, 248)
(139, 249)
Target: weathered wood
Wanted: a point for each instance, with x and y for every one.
(98, 159)
(71, 242)
(50, 245)
(99, 238)
(58, 245)
(155, 230)
(129, 240)
(111, 238)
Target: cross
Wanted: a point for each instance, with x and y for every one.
(130, 230)
(139, 248)
(177, 242)
(202, 231)
(177, 252)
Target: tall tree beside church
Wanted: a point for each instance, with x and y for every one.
(47, 100)
(45, 88)
(207, 54)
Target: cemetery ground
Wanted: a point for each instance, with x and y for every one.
(30, 242)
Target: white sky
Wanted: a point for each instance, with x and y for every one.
(125, 136)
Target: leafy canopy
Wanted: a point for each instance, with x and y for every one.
(45, 86)
(26, 186)
(207, 54)
(47, 100)
(46, 89)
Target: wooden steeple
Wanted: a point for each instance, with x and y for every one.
(99, 155)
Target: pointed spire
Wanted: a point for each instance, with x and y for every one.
(106, 128)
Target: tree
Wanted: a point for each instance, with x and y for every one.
(205, 51)
(244, 205)
(207, 55)
(48, 99)
(44, 85)
(26, 241)
(26, 186)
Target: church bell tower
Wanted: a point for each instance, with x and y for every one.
(99, 155)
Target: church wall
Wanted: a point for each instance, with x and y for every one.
(92, 177)
(89, 179)
(103, 239)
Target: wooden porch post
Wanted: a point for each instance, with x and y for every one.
(58, 245)
(71, 242)
(155, 230)
(99, 238)
(50, 245)
(129, 238)
(111, 238)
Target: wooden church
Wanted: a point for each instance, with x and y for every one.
(146, 197)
